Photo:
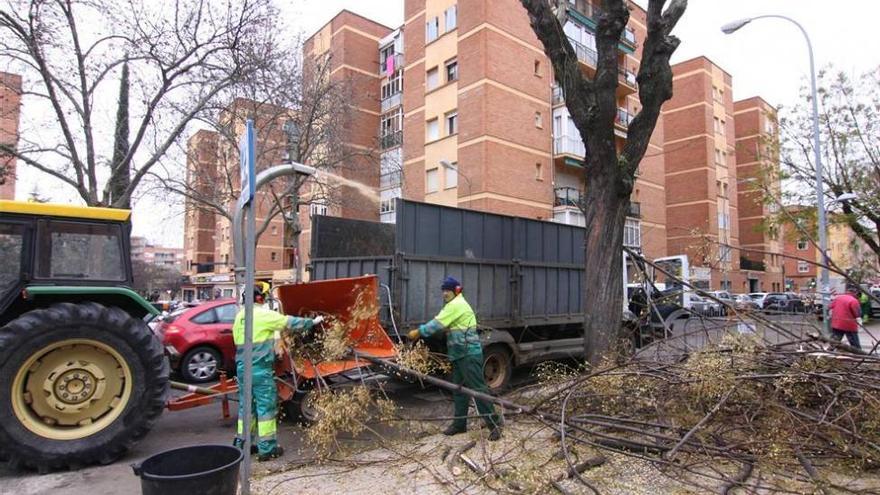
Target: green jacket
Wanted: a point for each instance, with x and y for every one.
(459, 322)
(266, 323)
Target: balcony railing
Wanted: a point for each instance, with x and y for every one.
(624, 118)
(584, 53)
(567, 196)
(390, 180)
(391, 140)
(629, 36)
(586, 9)
(392, 101)
(396, 64)
(565, 145)
(627, 77)
(747, 264)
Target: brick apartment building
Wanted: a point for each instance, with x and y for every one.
(469, 114)
(714, 205)
(10, 107)
(153, 254)
(212, 168)
(757, 165)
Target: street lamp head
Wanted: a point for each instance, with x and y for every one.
(846, 197)
(730, 27)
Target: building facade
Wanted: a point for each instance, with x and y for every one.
(10, 108)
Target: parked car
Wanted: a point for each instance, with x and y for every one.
(875, 306)
(777, 302)
(758, 297)
(704, 306)
(726, 298)
(198, 340)
(743, 302)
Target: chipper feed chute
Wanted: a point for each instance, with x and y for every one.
(353, 302)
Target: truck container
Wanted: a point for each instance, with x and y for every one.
(523, 277)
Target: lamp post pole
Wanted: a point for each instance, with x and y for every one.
(817, 154)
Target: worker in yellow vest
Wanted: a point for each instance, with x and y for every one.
(265, 396)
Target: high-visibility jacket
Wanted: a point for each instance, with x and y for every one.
(458, 320)
(266, 323)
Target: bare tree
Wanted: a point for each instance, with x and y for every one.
(181, 54)
(609, 176)
(300, 114)
(849, 124)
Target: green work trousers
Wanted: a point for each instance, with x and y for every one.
(263, 410)
(467, 371)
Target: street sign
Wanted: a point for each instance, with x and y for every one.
(247, 151)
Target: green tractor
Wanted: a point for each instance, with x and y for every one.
(82, 376)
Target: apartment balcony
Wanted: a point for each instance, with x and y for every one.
(390, 180)
(635, 209)
(566, 196)
(586, 14)
(391, 140)
(627, 82)
(622, 121)
(747, 264)
(569, 150)
(557, 97)
(394, 62)
(392, 101)
(585, 55)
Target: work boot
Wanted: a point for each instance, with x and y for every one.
(239, 444)
(454, 429)
(274, 454)
(495, 434)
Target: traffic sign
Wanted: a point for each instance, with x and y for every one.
(247, 151)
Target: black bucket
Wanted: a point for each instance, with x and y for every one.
(200, 469)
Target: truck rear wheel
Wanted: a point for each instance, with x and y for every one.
(497, 368)
(79, 384)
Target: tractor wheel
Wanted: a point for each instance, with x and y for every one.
(497, 368)
(79, 384)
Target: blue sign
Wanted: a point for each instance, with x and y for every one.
(247, 151)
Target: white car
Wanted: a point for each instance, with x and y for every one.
(758, 297)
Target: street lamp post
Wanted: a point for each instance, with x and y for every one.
(820, 192)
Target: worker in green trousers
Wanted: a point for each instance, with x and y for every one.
(459, 322)
(265, 395)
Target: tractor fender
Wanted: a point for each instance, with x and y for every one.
(39, 296)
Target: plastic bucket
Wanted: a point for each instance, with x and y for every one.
(200, 469)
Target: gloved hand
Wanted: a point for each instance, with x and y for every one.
(414, 334)
(317, 320)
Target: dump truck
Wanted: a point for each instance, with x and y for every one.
(523, 277)
(82, 377)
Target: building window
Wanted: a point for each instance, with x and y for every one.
(803, 267)
(802, 245)
(539, 172)
(632, 233)
(717, 93)
(318, 208)
(431, 182)
(432, 29)
(386, 206)
(451, 175)
(274, 256)
(451, 16)
(394, 85)
(539, 120)
(719, 157)
(538, 68)
(432, 80)
(274, 230)
(452, 71)
(451, 123)
(432, 128)
(391, 129)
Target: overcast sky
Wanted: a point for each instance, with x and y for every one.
(767, 58)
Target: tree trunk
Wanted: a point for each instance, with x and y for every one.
(605, 212)
(119, 167)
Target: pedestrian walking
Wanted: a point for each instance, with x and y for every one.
(264, 403)
(846, 312)
(458, 321)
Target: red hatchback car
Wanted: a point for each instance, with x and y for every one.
(198, 340)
